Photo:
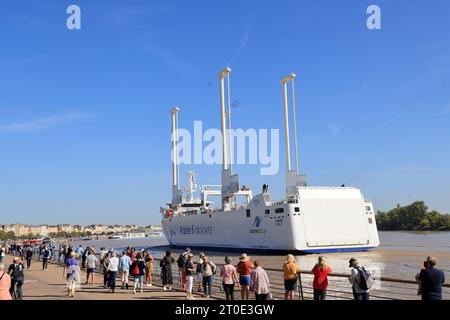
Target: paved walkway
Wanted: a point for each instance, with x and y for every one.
(51, 285)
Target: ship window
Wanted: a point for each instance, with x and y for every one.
(267, 211)
(279, 210)
(367, 208)
(297, 209)
(370, 220)
(248, 213)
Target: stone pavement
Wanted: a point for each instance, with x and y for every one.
(51, 285)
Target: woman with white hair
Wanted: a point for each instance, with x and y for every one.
(72, 274)
(113, 267)
(5, 284)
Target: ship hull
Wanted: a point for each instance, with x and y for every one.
(323, 220)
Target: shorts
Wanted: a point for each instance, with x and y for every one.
(290, 284)
(244, 280)
(91, 270)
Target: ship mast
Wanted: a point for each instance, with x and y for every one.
(229, 182)
(176, 194)
(293, 177)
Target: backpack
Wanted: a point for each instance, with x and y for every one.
(181, 261)
(366, 280)
(136, 270)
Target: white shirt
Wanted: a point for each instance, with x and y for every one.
(113, 264)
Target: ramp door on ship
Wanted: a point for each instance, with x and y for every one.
(334, 222)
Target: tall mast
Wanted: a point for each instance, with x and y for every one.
(284, 81)
(226, 152)
(230, 134)
(293, 177)
(223, 116)
(174, 115)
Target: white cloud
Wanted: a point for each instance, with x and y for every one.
(167, 57)
(244, 40)
(334, 128)
(43, 123)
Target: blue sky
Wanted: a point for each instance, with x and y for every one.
(84, 114)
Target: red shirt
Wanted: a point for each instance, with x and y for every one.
(244, 268)
(321, 277)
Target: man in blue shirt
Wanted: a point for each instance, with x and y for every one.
(431, 280)
(124, 269)
(79, 251)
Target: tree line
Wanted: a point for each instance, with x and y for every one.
(413, 217)
(62, 234)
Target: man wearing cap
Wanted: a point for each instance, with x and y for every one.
(355, 280)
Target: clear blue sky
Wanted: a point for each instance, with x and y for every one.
(84, 114)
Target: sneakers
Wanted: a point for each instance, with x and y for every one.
(134, 291)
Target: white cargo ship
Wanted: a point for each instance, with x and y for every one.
(310, 219)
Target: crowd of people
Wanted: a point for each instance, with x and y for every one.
(195, 272)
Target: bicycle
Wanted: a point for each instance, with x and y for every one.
(15, 293)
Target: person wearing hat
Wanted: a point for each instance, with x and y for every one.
(229, 278)
(244, 268)
(355, 280)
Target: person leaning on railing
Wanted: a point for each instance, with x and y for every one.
(320, 283)
(290, 270)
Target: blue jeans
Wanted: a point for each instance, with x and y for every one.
(207, 283)
(112, 279)
(138, 282)
(360, 296)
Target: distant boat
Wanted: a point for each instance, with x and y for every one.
(128, 235)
